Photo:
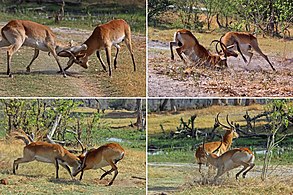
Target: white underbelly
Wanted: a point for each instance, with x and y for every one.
(43, 159)
(102, 163)
(35, 44)
(119, 40)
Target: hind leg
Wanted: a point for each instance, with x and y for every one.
(129, 47)
(11, 50)
(36, 54)
(116, 55)
(251, 166)
(25, 159)
(257, 49)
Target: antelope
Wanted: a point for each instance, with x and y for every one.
(18, 33)
(108, 154)
(231, 160)
(244, 42)
(189, 46)
(230, 134)
(48, 153)
(103, 37)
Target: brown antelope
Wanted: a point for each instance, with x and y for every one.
(103, 37)
(231, 160)
(108, 154)
(189, 46)
(48, 153)
(17, 33)
(211, 146)
(244, 42)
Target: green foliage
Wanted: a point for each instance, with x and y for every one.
(155, 7)
(83, 16)
(249, 15)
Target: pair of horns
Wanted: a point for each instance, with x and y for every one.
(72, 51)
(227, 119)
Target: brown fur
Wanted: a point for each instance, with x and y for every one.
(103, 37)
(108, 154)
(188, 44)
(18, 33)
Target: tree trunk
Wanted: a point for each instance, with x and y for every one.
(215, 101)
(237, 102)
(173, 106)
(218, 21)
(163, 105)
(139, 113)
(55, 125)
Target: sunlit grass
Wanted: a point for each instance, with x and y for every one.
(205, 117)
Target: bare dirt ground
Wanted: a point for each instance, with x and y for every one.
(43, 80)
(184, 178)
(168, 78)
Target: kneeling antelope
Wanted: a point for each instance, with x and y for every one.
(224, 145)
(106, 155)
(230, 160)
(189, 46)
(243, 42)
(18, 33)
(48, 153)
(103, 37)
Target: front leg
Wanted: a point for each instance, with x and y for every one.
(239, 50)
(101, 60)
(57, 168)
(171, 49)
(179, 51)
(108, 54)
(116, 56)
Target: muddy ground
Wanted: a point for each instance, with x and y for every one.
(168, 78)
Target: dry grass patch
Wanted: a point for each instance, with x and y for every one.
(205, 117)
(39, 178)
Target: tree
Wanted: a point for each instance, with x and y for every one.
(210, 7)
(139, 117)
(156, 7)
(282, 110)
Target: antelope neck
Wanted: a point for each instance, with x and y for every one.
(228, 137)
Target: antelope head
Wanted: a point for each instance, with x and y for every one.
(226, 51)
(231, 128)
(76, 54)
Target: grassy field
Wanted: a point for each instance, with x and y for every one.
(185, 179)
(39, 178)
(174, 78)
(44, 80)
(172, 169)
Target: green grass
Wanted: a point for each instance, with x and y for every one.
(181, 150)
(39, 178)
(83, 16)
(43, 81)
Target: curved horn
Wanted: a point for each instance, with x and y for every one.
(82, 147)
(221, 123)
(223, 45)
(72, 56)
(227, 119)
(217, 42)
